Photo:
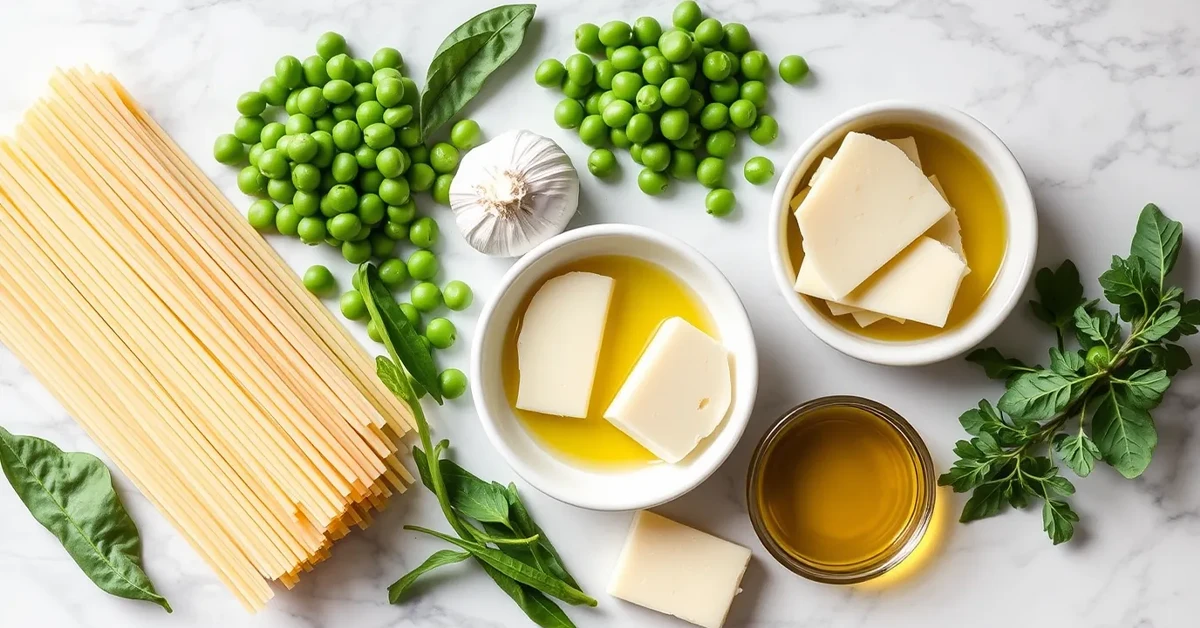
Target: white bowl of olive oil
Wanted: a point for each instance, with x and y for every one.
(589, 462)
(976, 175)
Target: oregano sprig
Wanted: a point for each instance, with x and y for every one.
(1093, 402)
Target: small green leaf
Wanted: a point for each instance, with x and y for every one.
(1060, 292)
(987, 501)
(72, 496)
(1095, 328)
(1157, 241)
(1144, 388)
(1189, 317)
(469, 496)
(402, 341)
(1128, 284)
(545, 553)
(966, 474)
(1078, 452)
(1171, 358)
(466, 58)
(1124, 433)
(539, 608)
(1058, 520)
(1038, 396)
(440, 558)
(1163, 323)
(995, 365)
(1066, 363)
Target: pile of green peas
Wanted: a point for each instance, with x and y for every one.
(333, 150)
(676, 98)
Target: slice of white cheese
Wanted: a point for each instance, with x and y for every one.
(947, 230)
(670, 568)
(918, 285)
(871, 204)
(909, 146)
(677, 393)
(821, 167)
(865, 318)
(559, 343)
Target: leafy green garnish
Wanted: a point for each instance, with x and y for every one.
(522, 562)
(1092, 404)
(72, 496)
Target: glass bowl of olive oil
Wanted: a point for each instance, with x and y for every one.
(841, 490)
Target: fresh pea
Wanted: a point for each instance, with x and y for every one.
(275, 91)
(635, 153)
(289, 72)
(571, 89)
(251, 103)
(422, 265)
(687, 15)
(251, 181)
(371, 209)
(352, 305)
(719, 202)
(306, 178)
(281, 190)
(676, 46)
(287, 221)
(424, 233)
(593, 132)
(391, 162)
(580, 69)
(587, 39)
(409, 136)
(330, 44)
(342, 198)
(261, 214)
(444, 158)
(640, 128)
(793, 69)
(625, 85)
(441, 189)
(306, 202)
(568, 114)
(711, 172)
(759, 170)
(387, 58)
(341, 67)
(337, 92)
(373, 332)
(591, 106)
(365, 156)
(394, 273)
(725, 91)
(452, 383)
(441, 333)
(675, 92)
(691, 138)
(656, 70)
(755, 92)
(686, 70)
(714, 116)
(425, 296)
(656, 156)
(319, 281)
(256, 151)
(325, 122)
(311, 102)
(627, 58)
(709, 33)
(716, 66)
(356, 252)
(228, 150)
(397, 117)
(649, 99)
(311, 230)
(248, 129)
(395, 191)
(602, 162)
(737, 38)
(652, 182)
(364, 93)
(344, 226)
(683, 165)
(765, 130)
(549, 73)
(755, 65)
(743, 113)
(368, 113)
(420, 177)
(383, 74)
(617, 113)
(604, 73)
(673, 124)
(457, 295)
(396, 231)
(646, 31)
(347, 135)
(390, 93)
(602, 100)
(615, 34)
(314, 71)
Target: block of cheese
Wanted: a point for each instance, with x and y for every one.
(673, 569)
(677, 393)
(918, 285)
(872, 202)
(909, 146)
(947, 230)
(559, 343)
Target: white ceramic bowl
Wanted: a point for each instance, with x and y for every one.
(640, 487)
(1014, 271)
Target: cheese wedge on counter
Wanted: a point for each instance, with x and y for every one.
(947, 230)
(559, 344)
(909, 146)
(673, 569)
(918, 285)
(871, 203)
(677, 393)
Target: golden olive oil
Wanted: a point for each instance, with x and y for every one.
(839, 488)
(980, 209)
(644, 295)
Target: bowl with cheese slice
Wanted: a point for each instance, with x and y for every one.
(903, 233)
(615, 369)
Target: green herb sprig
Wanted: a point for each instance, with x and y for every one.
(491, 522)
(1093, 402)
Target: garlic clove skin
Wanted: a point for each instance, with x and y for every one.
(513, 193)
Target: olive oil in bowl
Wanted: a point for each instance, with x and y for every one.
(841, 490)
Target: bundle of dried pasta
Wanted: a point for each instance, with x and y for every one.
(183, 344)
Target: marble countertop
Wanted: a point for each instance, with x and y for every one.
(1098, 100)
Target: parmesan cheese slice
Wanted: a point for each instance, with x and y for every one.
(909, 146)
(947, 230)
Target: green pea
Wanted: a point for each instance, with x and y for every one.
(248, 129)
(289, 72)
(312, 102)
(347, 135)
(441, 333)
(725, 91)
(735, 63)
(403, 213)
(344, 168)
(422, 265)
(374, 334)
(443, 157)
(625, 85)
(356, 252)
(683, 165)
(327, 183)
(251, 103)
(593, 132)
(371, 209)
(325, 122)
(675, 92)
(793, 69)
(251, 181)
(652, 182)
(319, 281)
(628, 58)
(330, 45)
(397, 117)
(291, 105)
(337, 92)
(424, 233)
(353, 306)
(649, 99)
(395, 191)
(714, 116)
(587, 39)
(759, 170)
(604, 73)
(261, 214)
(602, 100)
(387, 58)
(673, 124)
(452, 383)
(617, 113)
(765, 130)
(676, 46)
(365, 157)
(389, 93)
(341, 198)
(640, 128)
(393, 273)
(691, 138)
(580, 69)
(368, 113)
(716, 66)
(384, 74)
(549, 73)
(656, 70)
(755, 65)
(287, 220)
(409, 136)
(687, 15)
(465, 134)
(364, 93)
(420, 177)
(711, 172)
(615, 34)
(341, 67)
(425, 296)
(306, 202)
(281, 190)
(256, 151)
(305, 177)
(737, 38)
(344, 226)
(646, 31)
(301, 148)
(391, 162)
(568, 113)
(441, 189)
(602, 162)
(381, 245)
(325, 148)
(228, 150)
(743, 113)
(311, 230)
(651, 51)
(457, 295)
(343, 111)
(396, 231)
(719, 202)
(635, 153)
(314, 71)
(571, 89)
(685, 70)
(755, 92)
(709, 33)
(275, 91)
(379, 135)
(656, 156)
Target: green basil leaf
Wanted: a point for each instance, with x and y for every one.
(966, 474)
(544, 552)
(1144, 388)
(1128, 284)
(995, 365)
(1038, 396)
(540, 609)
(1060, 292)
(516, 570)
(987, 501)
(1078, 452)
(402, 341)
(1095, 328)
(1157, 241)
(72, 496)
(469, 496)
(440, 558)
(1066, 363)
(466, 58)
(1163, 323)
(1058, 520)
(1124, 433)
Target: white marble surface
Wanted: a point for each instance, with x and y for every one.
(1097, 98)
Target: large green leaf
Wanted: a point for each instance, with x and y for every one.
(1058, 520)
(1059, 292)
(440, 558)
(1157, 241)
(402, 341)
(1124, 433)
(1144, 388)
(1038, 396)
(1078, 452)
(469, 496)
(466, 58)
(996, 365)
(72, 495)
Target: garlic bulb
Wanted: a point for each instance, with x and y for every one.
(513, 193)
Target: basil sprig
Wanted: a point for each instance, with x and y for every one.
(72, 496)
(1093, 402)
(491, 522)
